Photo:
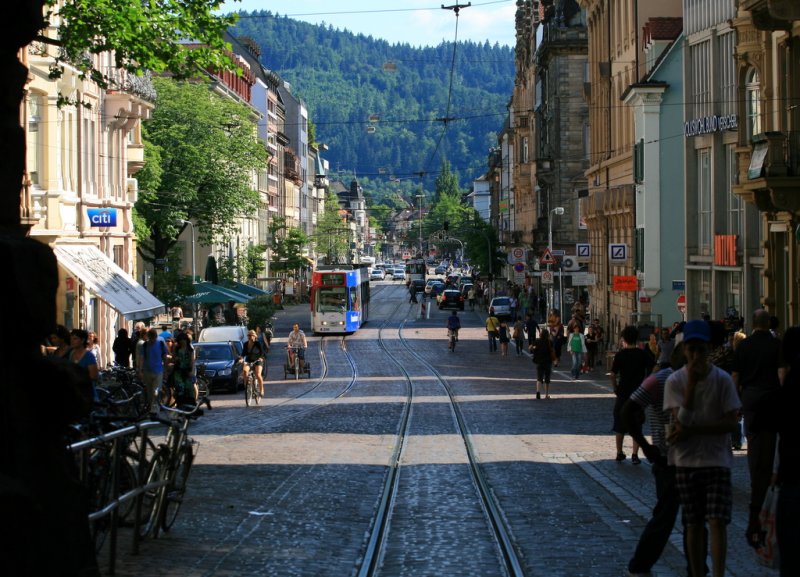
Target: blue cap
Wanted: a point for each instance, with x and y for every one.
(697, 331)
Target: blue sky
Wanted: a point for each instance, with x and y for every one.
(417, 22)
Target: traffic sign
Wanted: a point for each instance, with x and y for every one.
(519, 267)
(547, 258)
(518, 254)
(547, 277)
(681, 304)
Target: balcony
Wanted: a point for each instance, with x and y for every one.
(772, 14)
(769, 172)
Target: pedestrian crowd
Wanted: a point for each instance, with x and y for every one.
(698, 386)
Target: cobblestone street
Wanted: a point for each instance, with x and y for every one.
(296, 497)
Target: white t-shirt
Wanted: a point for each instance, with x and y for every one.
(714, 397)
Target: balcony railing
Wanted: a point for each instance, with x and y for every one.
(123, 81)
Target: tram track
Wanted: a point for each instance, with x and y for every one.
(379, 539)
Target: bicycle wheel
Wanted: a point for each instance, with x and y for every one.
(248, 388)
(175, 491)
(148, 517)
(296, 366)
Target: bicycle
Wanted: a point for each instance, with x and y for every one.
(293, 363)
(168, 473)
(453, 336)
(252, 392)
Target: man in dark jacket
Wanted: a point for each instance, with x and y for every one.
(756, 366)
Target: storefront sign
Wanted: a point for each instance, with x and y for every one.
(708, 124)
(102, 216)
(624, 283)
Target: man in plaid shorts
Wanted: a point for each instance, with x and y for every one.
(704, 404)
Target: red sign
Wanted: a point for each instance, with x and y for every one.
(624, 284)
(681, 304)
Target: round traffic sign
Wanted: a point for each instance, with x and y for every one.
(681, 304)
(518, 253)
(519, 267)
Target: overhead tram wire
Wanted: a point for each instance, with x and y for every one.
(446, 119)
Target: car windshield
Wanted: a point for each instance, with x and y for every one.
(500, 302)
(221, 352)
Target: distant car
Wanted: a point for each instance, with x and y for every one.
(419, 284)
(464, 288)
(399, 273)
(441, 269)
(502, 307)
(220, 363)
(376, 274)
(431, 283)
(451, 299)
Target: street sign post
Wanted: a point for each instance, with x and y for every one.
(681, 305)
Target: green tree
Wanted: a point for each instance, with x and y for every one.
(201, 154)
(446, 183)
(287, 246)
(481, 245)
(331, 236)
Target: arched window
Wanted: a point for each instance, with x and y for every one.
(753, 102)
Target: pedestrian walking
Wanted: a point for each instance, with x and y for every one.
(756, 363)
(630, 367)
(492, 326)
(556, 334)
(151, 361)
(577, 348)
(664, 349)
(518, 334)
(504, 336)
(471, 297)
(543, 356)
(649, 397)
(787, 519)
(531, 328)
(123, 348)
(703, 402)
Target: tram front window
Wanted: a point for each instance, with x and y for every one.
(331, 300)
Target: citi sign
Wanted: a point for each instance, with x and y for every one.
(102, 216)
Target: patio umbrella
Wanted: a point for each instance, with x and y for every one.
(212, 275)
(206, 292)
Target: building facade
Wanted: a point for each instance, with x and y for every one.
(80, 188)
(765, 153)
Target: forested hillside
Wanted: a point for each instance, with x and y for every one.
(346, 78)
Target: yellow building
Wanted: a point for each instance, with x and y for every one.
(79, 189)
(616, 61)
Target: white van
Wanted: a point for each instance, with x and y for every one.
(236, 334)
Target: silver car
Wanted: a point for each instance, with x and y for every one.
(502, 307)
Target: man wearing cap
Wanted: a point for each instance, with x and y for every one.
(703, 402)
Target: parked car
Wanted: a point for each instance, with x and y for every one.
(451, 299)
(464, 288)
(220, 363)
(229, 333)
(502, 307)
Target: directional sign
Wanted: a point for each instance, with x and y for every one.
(583, 251)
(618, 252)
(547, 258)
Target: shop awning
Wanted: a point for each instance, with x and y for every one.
(108, 281)
(207, 292)
(245, 288)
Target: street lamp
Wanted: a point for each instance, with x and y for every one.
(559, 210)
(420, 197)
(182, 222)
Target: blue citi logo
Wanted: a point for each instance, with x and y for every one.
(102, 216)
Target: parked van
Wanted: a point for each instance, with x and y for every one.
(235, 334)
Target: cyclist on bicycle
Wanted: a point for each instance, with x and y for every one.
(296, 342)
(453, 324)
(254, 354)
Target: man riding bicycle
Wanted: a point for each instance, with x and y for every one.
(453, 324)
(296, 343)
(254, 354)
